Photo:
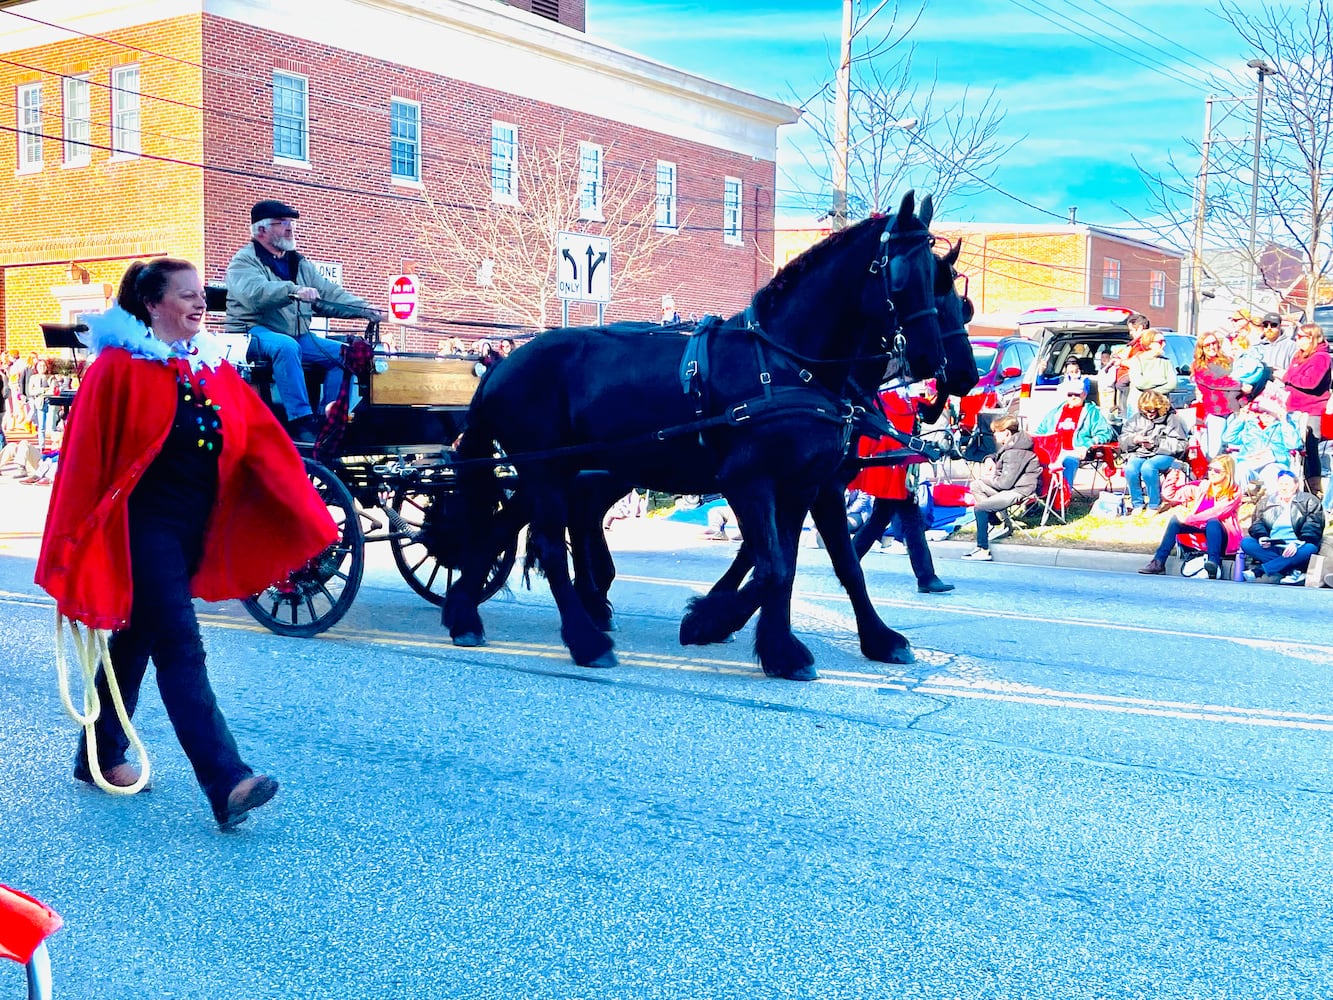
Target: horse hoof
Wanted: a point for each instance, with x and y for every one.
(892, 652)
(604, 662)
(470, 639)
(804, 672)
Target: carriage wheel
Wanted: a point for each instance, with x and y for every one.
(422, 570)
(316, 596)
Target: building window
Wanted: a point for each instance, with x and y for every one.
(29, 101)
(290, 118)
(1157, 292)
(1110, 278)
(125, 111)
(666, 195)
(405, 140)
(590, 181)
(78, 126)
(504, 162)
(731, 211)
(547, 8)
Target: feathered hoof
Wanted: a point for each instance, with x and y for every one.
(604, 662)
(801, 672)
(469, 639)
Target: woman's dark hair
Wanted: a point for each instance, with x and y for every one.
(146, 282)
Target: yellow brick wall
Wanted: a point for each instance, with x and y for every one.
(110, 211)
(1012, 272)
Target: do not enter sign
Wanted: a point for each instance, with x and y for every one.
(403, 298)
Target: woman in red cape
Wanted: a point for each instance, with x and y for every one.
(174, 481)
(888, 485)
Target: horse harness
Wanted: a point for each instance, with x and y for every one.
(860, 416)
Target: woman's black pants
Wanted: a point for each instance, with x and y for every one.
(163, 628)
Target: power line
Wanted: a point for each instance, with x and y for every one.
(1102, 41)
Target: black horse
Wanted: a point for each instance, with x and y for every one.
(727, 606)
(753, 409)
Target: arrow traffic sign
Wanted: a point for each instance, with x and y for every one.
(583, 267)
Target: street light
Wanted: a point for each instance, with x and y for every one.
(1264, 70)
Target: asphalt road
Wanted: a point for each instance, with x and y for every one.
(1090, 785)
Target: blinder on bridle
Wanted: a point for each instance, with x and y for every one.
(894, 273)
(960, 287)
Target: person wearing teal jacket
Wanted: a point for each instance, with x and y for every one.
(1078, 427)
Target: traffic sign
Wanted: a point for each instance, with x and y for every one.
(403, 298)
(583, 267)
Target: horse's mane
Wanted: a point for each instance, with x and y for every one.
(810, 258)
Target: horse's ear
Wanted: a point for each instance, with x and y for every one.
(906, 210)
(927, 210)
(951, 258)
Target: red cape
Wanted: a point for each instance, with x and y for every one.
(267, 520)
(887, 482)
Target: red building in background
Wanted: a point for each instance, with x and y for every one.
(417, 137)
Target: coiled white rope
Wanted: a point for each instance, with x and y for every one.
(90, 646)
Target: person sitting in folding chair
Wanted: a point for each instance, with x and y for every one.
(1079, 427)
(1151, 441)
(1262, 435)
(1208, 509)
(1009, 478)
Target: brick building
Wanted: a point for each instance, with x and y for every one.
(1011, 269)
(410, 135)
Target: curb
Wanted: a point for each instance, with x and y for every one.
(1041, 555)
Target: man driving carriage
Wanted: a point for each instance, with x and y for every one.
(269, 286)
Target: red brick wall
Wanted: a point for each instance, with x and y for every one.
(352, 213)
(1136, 267)
(109, 211)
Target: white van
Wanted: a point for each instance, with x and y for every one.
(1081, 332)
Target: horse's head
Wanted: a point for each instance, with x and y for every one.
(864, 292)
(955, 312)
(959, 373)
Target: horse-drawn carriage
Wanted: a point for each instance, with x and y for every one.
(762, 407)
(380, 473)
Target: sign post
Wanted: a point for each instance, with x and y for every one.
(403, 298)
(583, 272)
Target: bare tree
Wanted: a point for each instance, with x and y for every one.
(900, 135)
(497, 259)
(1293, 203)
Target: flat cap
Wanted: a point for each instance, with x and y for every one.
(271, 208)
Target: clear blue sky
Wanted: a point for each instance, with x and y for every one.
(1088, 86)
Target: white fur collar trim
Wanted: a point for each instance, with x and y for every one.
(117, 328)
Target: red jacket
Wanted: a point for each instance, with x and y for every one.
(887, 482)
(267, 519)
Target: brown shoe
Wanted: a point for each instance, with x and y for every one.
(1154, 567)
(122, 775)
(251, 793)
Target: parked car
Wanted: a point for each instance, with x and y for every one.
(1323, 315)
(1083, 333)
(1001, 364)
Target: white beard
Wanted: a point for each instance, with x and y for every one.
(284, 243)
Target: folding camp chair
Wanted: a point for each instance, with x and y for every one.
(1052, 494)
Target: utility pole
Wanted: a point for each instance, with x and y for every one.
(1264, 70)
(1200, 210)
(842, 120)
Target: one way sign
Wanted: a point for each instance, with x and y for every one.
(583, 267)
